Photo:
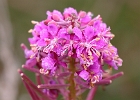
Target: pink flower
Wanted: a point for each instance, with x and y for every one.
(48, 63)
(84, 74)
(89, 33)
(71, 44)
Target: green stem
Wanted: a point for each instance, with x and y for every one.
(72, 94)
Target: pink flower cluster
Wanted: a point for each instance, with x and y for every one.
(72, 35)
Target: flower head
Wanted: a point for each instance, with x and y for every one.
(72, 35)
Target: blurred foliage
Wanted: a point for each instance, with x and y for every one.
(121, 15)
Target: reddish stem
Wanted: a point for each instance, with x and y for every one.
(30, 69)
(38, 79)
(103, 82)
(91, 93)
(32, 85)
(31, 92)
(112, 77)
(52, 86)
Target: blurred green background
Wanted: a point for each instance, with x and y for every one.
(123, 16)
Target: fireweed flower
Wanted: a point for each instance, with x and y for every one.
(69, 51)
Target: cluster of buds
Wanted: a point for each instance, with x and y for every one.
(68, 53)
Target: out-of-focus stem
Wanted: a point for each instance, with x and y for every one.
(8, 57)
(72, 94)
